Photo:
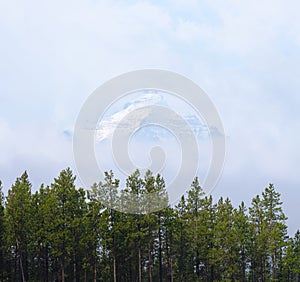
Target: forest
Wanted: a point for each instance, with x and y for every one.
(65, 233)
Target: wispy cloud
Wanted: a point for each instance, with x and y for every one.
(245, 55)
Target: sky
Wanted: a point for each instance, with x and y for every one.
(244, 54)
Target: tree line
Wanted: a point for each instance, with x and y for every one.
(64, 233)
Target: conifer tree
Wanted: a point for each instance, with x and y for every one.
(3, 257)
(225, 241)
(291, 260)
(276, 228)
(242, 230)
(194, 209)
(183, 242)
(18, 226)
(66, 208)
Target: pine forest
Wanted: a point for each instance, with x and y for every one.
(65, 233)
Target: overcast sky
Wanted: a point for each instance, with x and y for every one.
(244, 54)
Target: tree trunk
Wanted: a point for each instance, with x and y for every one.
(160, 255)
(20, 260)
(22, 270)
(47, 265)
(171, 269)
(243, 266)
(74, 267)
(85, 275)
(150, 263)
(196, 239)
(140, 260)
(170, 261)
(149, 254)
(197, 263)
(62, 272)
(212, 271)
(115, 268)
(95, 270)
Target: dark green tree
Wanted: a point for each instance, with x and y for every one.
(106, 192)
(276, 229)
(269, 235)
(242, 235)
(18, 225)
(3, 256)
(67, 205)
(225, 243)
(194, 216)
(291, 260)
(183, 237)
(259, 242)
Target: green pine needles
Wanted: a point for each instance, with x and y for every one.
(65, 233)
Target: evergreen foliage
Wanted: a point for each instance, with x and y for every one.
(64, 233)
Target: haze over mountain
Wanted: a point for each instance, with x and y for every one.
(245, 55)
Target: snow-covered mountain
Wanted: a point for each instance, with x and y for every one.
(109, 123)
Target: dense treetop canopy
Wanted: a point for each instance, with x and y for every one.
(64, 233)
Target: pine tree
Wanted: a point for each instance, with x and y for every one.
(3, 257)
(41, 229)
(67, 207)
(194, 208)
(207, 232)
(242, 231)
(132, 197)
(276, 228)
(93, 236)
(269, 235)
(225, 241)
(183, 241)
(107, 193)
(295, 267)
(258, 258)
(156, 186)
(291, 260)
(166, 244)
(150, 223)
(18, 218)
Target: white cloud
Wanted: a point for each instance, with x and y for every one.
(244, 54)
(188, 31)
(38, 149)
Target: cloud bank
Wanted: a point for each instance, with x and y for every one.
(245, 55)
